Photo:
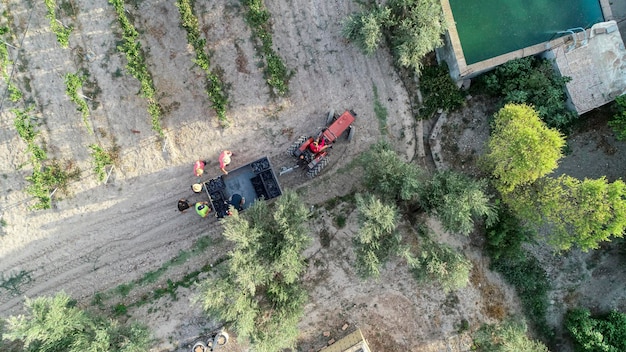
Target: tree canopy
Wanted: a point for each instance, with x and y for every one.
(414, 28)
(55, 324)
(259, 291)
(602, 333)
(521, 147)
(377, 238)
(581, 213)
(457, 200)
(390, 177)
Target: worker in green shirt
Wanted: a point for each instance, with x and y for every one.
(203, 209)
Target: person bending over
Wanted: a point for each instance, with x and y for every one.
(203, 209)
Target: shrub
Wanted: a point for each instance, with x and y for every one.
(531, 283)
(506, 236)
(518, 267)
(440, 262)
(439, 91)
(535, 82)
(601, 333)
(508, 336)
(618, 123)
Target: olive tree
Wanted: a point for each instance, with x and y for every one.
(377, 237)
(457, 200)
(390, 177)
(365, 29)
(55, 324)
(259, 290)
(414, 28)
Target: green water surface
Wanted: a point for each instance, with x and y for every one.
(488, 28)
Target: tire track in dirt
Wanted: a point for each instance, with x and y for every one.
(101, 252)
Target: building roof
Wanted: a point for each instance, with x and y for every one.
(354, 342)
(596, 62)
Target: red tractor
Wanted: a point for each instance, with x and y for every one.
(312, 151)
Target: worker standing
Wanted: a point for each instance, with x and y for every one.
(225, 160)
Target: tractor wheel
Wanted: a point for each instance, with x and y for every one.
(317, 168)
(296, 145)
(330, 117)
(350, 133)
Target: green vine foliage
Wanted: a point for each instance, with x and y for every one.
(47, 175)
(136, 65)
(15, 94)
(276, 73)
(215, 87)
(101, 159)
(74, 84)
(62, 32)
(45, 180)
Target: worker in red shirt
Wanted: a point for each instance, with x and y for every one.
(198, 168)
(318, 145)
(225, 160)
